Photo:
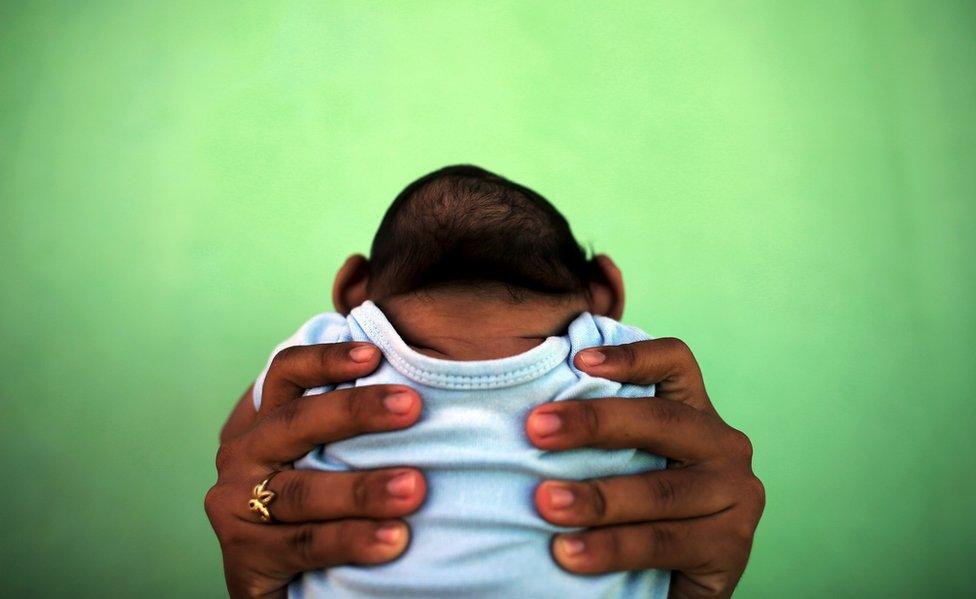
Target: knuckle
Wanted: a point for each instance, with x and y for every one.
(677, 346)
(225, 457)
(662, 538)
(759, 493)
(712, 585)
(354, 404)
(743, 532)
(288, 414)
(360, 493)
(212, 503)
(252, 587)
(589, 419)
(628, 355)
(328, 355)
(284, 355)
(683, 357)
(598, 500)
(295, 491)
(741, 444)
(305, 542)
(662, 491)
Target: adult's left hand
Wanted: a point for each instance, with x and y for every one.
(696, 518)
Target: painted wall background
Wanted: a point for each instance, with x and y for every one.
(788, 186)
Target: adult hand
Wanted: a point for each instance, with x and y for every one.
(696, 518)
(321, 519)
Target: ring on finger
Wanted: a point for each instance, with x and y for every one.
(261, 498)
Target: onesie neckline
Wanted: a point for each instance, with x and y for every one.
(455, 374)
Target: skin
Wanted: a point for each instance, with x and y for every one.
(323, 519)
(697, 517)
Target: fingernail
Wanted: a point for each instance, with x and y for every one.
(592, 357)
(570, 546)
(362, 353)
(560, 497)
(391, 534)
(546, 424)
(402, 485)
(398, 403)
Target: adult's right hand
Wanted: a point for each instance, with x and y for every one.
(321, 519)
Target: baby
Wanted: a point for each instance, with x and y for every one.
(479, 296)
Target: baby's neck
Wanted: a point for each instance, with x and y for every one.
(478, 325)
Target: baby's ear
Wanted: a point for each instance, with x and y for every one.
(606, 288)
(351, 282)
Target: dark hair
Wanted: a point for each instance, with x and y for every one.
(464, 225)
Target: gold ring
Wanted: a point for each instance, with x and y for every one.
(262, 496)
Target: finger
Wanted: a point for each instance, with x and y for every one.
(666, 362)
(320, 545)
(660, 426)
(295, 369)
(659, 495)
(304, 496)
(295, 428)
(241, 418)
(708, 585)
(665, 545)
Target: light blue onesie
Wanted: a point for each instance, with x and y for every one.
(478, 533)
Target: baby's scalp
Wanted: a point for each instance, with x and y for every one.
(463, 225)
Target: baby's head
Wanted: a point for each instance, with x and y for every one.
(462, 229)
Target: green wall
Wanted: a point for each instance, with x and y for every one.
(789, 186)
